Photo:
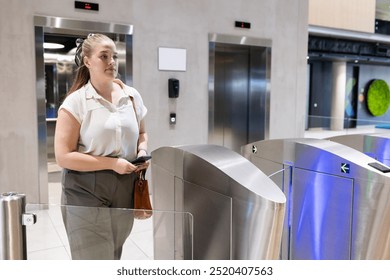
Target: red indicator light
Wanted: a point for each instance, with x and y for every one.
(242, 24)
(89, 6)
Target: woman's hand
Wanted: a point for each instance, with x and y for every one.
(122, 166)
(142, 166)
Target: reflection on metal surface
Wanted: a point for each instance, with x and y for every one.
(375, 145)
(239, 78)
(41, 111)
(325, 213)
(238, 211)
(337, 205)
(239, 40)
(91, 26)
(13, 222)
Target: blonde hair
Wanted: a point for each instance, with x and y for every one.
(84, 49)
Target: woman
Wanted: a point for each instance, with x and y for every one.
(100, 129)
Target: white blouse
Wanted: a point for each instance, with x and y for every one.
(106, 129)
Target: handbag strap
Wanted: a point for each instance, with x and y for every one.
(142, 175)
(135, 111)
(142, 172)
(123, 86)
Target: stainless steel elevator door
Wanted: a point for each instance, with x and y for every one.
(239, 110)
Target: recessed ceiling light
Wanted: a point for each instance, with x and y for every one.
(53, 46)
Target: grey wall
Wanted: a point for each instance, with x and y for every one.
(157, 23)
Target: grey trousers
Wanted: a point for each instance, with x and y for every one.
(96, 223)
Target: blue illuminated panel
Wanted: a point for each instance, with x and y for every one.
(321, 216)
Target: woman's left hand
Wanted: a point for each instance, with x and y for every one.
(142, 166)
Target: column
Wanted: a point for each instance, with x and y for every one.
(339, 79)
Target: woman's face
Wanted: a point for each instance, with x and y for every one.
(103, 62)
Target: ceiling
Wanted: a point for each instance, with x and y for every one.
(68, 41)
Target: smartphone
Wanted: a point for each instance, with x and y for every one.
(141, 159)
(379, 167)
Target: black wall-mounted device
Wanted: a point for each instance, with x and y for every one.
(173, 88)
(242, 24)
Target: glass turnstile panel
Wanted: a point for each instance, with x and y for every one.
(47, 239)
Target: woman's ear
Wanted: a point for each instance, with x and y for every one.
(86, 61)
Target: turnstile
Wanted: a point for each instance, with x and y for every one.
(375, 145)
(238, 211)
(338, 206)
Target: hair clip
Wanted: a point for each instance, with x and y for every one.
(77, 57)
(90, 35)
(79, 42)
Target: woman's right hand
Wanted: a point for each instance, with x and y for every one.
(122, 166)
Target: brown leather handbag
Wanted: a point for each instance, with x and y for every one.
(142, 206)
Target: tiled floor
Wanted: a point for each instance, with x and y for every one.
(47, 238)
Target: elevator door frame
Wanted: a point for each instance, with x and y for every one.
(50, 24)
(213, 133)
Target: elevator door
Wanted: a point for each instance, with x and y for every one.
(51, 81)
(239, 111)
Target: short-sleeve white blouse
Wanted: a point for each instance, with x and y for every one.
(106, 129)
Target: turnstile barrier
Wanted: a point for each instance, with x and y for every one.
(237, 210)
(375, 145)
(338, 206)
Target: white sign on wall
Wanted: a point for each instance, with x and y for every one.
(172, 59)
